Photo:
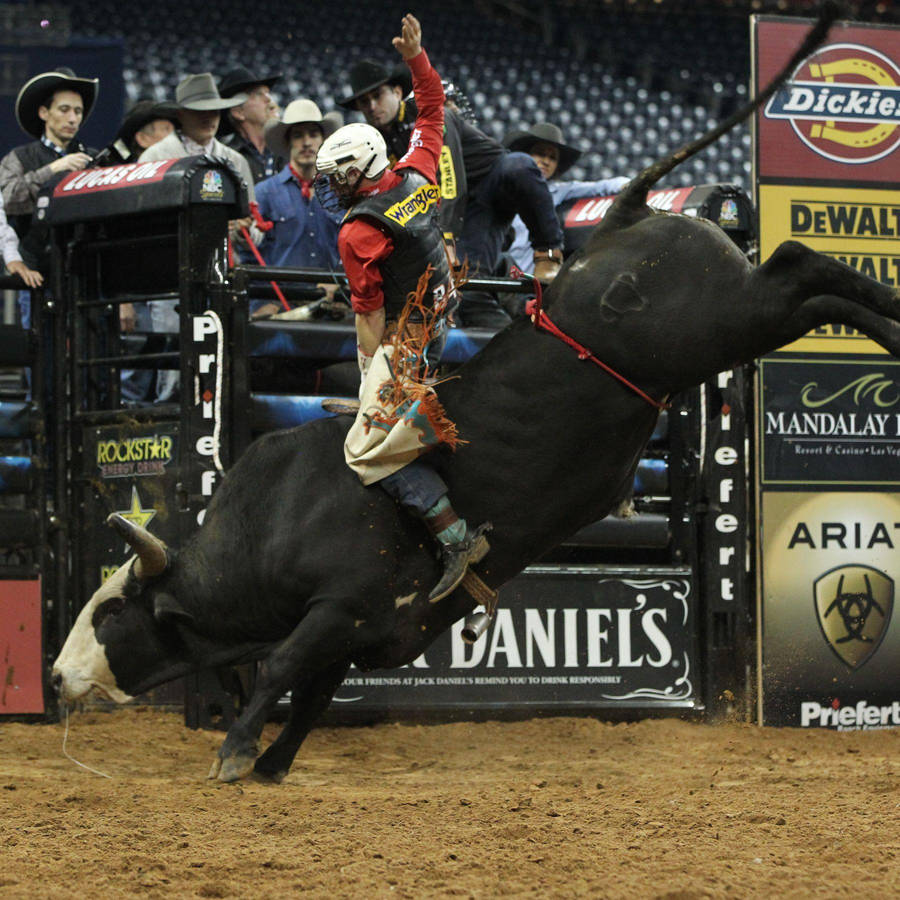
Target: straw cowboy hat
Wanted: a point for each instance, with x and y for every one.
(199, 93)
(543, 133)
(298, 112)
(366, 75)
(37, 93)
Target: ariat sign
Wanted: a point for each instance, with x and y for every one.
(843, 102)
(860, 715)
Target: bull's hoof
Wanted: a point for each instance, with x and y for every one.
(235, 767)
(266, 777)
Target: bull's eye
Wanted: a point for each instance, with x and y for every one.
(106, 609)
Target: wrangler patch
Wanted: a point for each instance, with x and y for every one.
(418, 202)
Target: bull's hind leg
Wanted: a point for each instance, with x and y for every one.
(309, 699)
(323, 639)
(797, 289)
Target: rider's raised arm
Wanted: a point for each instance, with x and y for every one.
(428, 136)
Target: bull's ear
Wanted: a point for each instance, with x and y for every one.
(167, 610)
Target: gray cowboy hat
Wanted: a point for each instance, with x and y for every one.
(199, 93)
(366, 75)
(543, 133)
(143, 113)
(37, 92)
(298, 112)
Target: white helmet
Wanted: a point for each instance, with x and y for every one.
(355, 146)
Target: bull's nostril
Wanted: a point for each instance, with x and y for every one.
(56, 681)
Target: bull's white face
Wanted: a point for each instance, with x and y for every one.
(83, 664)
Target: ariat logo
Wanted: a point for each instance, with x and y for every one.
(417, 203)
(854, 605)
(843, 102)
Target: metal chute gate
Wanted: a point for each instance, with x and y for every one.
(629, 616)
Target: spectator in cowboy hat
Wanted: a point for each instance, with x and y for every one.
(198, 108)
(146, 124)
(243, 126)
(51, 107)
(483, 186)
(543, 142)
(302, 232)
(377, 92)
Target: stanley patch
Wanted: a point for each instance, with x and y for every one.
(854, 605)
(448, 174)
(417, 203)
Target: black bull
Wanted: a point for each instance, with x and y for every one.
(299, 566)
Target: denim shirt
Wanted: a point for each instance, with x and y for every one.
(521, 251)
(304, 233)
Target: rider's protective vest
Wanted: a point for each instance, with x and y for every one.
(408, 212)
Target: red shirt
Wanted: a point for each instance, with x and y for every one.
(361, 244)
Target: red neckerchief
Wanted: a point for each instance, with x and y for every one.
(306, 184)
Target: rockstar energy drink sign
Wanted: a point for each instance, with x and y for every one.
(130, 469)
(827, 173)
(129, 456)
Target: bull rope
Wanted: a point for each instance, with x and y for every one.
(72, 758)
(543, 322)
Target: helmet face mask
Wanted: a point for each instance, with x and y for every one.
(352, 153)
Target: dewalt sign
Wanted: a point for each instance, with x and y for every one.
(858, 226)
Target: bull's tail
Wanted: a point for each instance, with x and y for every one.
(631, 200)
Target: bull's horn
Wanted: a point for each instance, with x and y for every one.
(151, 551)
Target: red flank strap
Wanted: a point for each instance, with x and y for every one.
(543, 322)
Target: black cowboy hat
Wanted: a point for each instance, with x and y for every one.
(143, 113)
(543, 133)
(366, 75)
(37, 93)
(241, 80)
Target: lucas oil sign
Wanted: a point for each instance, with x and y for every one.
(563, 638)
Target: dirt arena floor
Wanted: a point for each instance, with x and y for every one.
(544, 808)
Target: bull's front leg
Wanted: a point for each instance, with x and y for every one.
(309, 699)
(322, 640)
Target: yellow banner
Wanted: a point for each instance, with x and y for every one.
(858, 226)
